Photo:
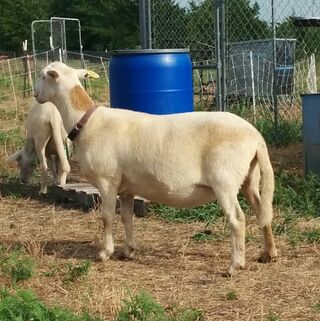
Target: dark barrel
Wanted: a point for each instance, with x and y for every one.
(155, 81)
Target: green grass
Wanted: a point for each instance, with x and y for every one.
(76, 271)
(16, 264)
(287, 132)
(316, 307)
(142, 307)
(271, 316)
(203, 236)
(25, 306)
(205, 213)
(11, 137)
(298, 196)
(311, 236)
(231, 295)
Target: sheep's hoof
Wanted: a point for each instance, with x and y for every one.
(129, 252)
(103, 256)
(233, 269)
(266, 257)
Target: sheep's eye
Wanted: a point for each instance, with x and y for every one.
(43, 77)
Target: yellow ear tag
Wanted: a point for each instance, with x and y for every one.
(92, 74)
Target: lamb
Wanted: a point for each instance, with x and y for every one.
(183, 160)
(45, 138)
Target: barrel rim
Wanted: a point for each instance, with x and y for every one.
(148, 51)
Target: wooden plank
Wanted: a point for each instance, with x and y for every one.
(88, 197)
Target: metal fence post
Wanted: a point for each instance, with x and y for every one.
(143, 24)
(274, 92)
(223, 54)
(218, 57)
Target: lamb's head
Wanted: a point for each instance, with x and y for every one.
(26, 162)
(57, 79)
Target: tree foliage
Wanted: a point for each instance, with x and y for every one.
(15, 21)
(114, 24)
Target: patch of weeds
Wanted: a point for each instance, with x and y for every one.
(311, 236)
(24, 305)
(188, 315)
(17, 265)
(271, 316)
(205, 213)
(76, 271)
(11, 137)
(250, 238)
(316, 307)
(301, 196)
(142, 307)
(10, 176)
(231, 295)
(53, 272)
(203, 236)
(287, 132)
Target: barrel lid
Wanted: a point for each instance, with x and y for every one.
(148, 51)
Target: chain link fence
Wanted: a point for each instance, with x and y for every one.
(260, 81)
(59, 36)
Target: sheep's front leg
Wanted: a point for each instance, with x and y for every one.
(58, 140)
(40, 146)
(108, 194)
(126, 209)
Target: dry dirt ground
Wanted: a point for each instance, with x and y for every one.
(175, 269)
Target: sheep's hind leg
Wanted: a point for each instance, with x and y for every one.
(54, 169)
(126, 209)
(40, 146)
(236, 219)
(250, 189)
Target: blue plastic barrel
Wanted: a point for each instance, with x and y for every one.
(155, 81)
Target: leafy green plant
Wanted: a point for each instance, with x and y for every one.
(287, 131)
(203, 236)
(189, 315)
(316, 307)
(11, 136)
(141, 307)
(76, 271)
(17, 265)
(271, 316)
(231, 295)
(25, 306)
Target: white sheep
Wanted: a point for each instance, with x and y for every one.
(45, 140)
(182, 160)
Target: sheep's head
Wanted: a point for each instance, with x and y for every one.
(59, 78)
(26, 163)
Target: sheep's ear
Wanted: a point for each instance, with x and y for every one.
(15, 156)
(84, 73)
(52, 73)
(92, 74)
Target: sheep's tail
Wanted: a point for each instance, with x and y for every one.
(266, 184)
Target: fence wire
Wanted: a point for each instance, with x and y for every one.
(253, 29)
(17, 79)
